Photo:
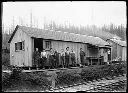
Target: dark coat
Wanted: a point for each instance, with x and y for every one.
(36, 57)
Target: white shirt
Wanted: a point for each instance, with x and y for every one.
(43, 54)
(67, 52)
(62, 53)
(108, 51)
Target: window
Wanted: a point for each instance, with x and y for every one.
(47, 44)
(19, 46)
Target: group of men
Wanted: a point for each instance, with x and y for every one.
(54, 59)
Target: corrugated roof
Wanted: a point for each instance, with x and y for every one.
(65, 36)
(120, 42)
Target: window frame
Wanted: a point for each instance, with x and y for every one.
(23, 45)
(47, 44)
(20, 46)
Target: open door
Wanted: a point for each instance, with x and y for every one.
(38, 43)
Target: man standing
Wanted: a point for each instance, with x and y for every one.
(82, 55)
(62, 54)
(56, 56)
(105, 56)
(51, 58)
(67, 53)
(101, 55)
(72, 57)
(36, 58)
(44, 58)
(109, 55)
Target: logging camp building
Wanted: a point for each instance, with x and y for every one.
(25, 39)
(118, 49)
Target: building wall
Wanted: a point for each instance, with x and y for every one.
(118, 51)
(21, 57)
(103, 52)
(58, 45)
(113, 49)
(124, 54)
(93, 52)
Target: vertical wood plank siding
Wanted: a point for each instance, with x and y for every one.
(18, 57)
(124, 54)
(23, 56)
(58, 45)
(32, 50)
(117, 50)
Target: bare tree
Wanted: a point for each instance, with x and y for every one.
(31, 22)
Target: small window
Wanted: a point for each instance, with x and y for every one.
(19, 46)
(47, 44)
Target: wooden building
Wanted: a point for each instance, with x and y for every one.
(118, 49)
(25, 39)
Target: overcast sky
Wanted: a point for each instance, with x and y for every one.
(77, 12)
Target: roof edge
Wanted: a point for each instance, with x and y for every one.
(13, 34)
(118, 43)
(20, 27)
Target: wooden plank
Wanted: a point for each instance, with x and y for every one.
(32, 40)
(17, 58)
(26, 51)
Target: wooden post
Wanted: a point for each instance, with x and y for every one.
(29, 68)
(98, 57)
(91, 61)
(111, 53)
(32, 51)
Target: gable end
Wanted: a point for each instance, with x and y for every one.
(13, 34)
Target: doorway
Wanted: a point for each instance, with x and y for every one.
(38, 43)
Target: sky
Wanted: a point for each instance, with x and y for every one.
(64, 12)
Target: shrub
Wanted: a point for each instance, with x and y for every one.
(5, 77)
(120, 69)
(40, 79)
(15, 73)
(28, 80)
(67, 78)
(103, 71)
(5, 59)
(36, 78)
